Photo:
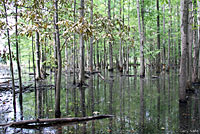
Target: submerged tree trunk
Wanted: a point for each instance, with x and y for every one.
(17, 55)
(58, 81)
(184, 29)
(142, 68)
(10, 57)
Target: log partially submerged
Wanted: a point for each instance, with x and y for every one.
(53, 121)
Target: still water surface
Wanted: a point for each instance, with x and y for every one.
(139, 106)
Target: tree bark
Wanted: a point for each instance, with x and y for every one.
(158, 37)
(10, 57)
(110, 44)
(17, 54)
(91, 39)
(196, 45)
(184, 29)
(120, 40)
(82, 48)
(58, 80)
(169, 34)
(38, 72)
(74, 46)
(164, 51)
(142, 68)
(190, 36)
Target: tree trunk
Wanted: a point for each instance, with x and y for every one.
(196, 45)
(110, 44)
(105, 56)
(158, 37)
(58, 81)
(17, 55)
(66, 58)
(92, 38)
(169, 34)
(38, 73)
(82, 48)
(189, 58)
(184, 29)
(142, 68)
(120, 41)
(11, 62)
(127, 56)
(164, 51)
(74, 46)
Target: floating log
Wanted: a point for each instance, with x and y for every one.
(53, 121)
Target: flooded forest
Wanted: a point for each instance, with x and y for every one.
(99, 66)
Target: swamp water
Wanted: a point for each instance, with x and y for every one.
(139, 106)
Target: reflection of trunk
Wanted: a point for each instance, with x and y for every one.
(142, 106)
(17, 56)
(122, 121)
(110, 104)
(92, 101)
(10, 57)
(58, 82)
(67, 95)
(21, 111)
(83, 109)
(59, 129)
(39, 102)
(183, 119)
(184, 26)
(169, 94)
(158, 105)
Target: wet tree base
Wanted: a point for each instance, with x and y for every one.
(183, 101)
(190, 90)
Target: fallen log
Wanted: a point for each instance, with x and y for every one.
(53, 121)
